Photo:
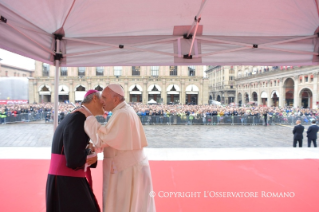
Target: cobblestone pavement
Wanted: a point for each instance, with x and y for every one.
(172, 136)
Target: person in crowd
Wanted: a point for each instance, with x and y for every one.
(312, 133)
(298, 134)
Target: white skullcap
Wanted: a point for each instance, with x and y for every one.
(116, 88)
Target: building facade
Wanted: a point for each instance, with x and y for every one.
(12, 71)
(162, 84)
(278, 86)
(221, 80)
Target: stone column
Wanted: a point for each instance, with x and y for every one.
(126, 91)
(144, 92)
(182, 94)
(282, 93)
(201, 93)
(259, 94)
(296, 94)
(71, 92)
(163, 92)
(35, 92)
(315, 90)
(269, 100)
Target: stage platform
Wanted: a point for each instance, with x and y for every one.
(188, 179)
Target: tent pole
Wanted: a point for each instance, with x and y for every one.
(56, 86)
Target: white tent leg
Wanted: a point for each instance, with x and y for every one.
(56, 87)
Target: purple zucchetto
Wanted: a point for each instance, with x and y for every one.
(90, 92)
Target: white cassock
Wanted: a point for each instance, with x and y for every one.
(127, 178)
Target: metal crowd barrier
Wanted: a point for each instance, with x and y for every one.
(47, 117)
(27, 117)
(200, 120)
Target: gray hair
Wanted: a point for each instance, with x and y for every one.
(89, 98)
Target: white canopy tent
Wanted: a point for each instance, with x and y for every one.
(80, 33)
(152, 101)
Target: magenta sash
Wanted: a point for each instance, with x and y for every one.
(58, 167)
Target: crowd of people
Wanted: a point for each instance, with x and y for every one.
(175, 114)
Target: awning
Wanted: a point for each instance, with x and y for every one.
(154, 92)
(137, 86)
(135, 92)
(63, 90)
(45, 92)
(79, 95)
(153, 33)
(173, 92)
(274, 92)
(263, 95)
(151, 87)
(192, 89)
(176, 87)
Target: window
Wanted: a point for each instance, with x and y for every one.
(81, 71)
(173, 71)
(306, 79)
(191, 71)
(99, 71)
(154, 71)
(275, 83)
(117, 71)
(300, 79)
(14, 74)
(64, 71)
(45, 70)
(6, 73)
(136, 71)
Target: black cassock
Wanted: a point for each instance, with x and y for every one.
(68, 194)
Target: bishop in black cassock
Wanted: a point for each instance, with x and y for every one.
(66, 193)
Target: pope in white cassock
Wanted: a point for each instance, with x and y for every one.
(127, 178)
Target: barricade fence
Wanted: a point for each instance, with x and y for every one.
(47, 117)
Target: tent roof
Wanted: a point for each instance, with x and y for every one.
(152, 31)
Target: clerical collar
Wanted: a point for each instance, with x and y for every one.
(119, 106)
(86, 109)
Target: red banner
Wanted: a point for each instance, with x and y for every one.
(5, 102)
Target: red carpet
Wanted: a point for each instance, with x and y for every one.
(23, 185)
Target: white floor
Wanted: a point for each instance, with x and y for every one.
(183, 153)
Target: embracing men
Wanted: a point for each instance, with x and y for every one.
(126, 172)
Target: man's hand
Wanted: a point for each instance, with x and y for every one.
(91, 161)
(90, 146)
(83, 110)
